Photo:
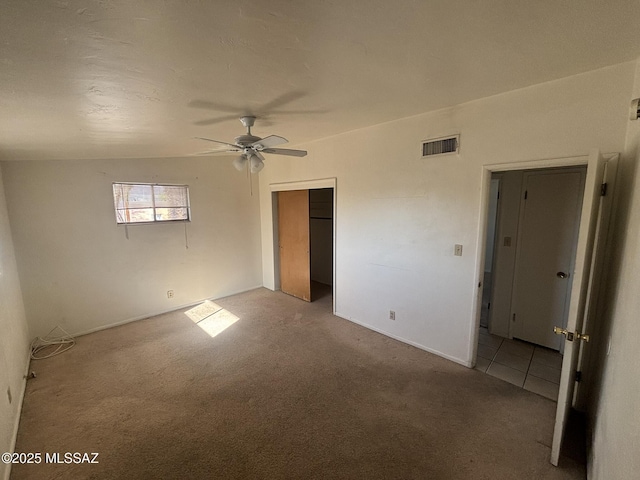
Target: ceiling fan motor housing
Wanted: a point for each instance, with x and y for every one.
(246, 139)
(248, 120)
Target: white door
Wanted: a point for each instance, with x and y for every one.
(594, 306)
(583, 287)
(547, 235)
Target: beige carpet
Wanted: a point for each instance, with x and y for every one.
(285, 391)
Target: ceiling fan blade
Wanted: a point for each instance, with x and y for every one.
(200, 154)
(282, 100)
(235, 148)
(211, 121)
(216, 152)
(296, 112)
(270, 141)
(286, 151)
(221, 107)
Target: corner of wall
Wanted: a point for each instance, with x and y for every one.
(14, 342)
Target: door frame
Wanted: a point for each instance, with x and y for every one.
(274, 188)
(596, 166)
(485, 190)
(494, 245)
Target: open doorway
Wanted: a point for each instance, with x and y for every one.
(532, 232)
(585, 275)
(304, 240)
(321, 242)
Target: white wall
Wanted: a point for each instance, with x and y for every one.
(79, 270)
(615, 410)
(14, 340)
(398, 217)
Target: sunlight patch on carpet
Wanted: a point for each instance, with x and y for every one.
(211, 317)
(202, 311)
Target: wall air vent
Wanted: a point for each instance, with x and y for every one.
(441, 146)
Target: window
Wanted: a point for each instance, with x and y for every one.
(149, 202)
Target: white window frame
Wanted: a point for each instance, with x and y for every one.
(154, 221)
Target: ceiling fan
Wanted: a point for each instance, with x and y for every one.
(251, 147)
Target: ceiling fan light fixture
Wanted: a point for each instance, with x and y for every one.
(255, 164)
(250, 147)
(240, 162)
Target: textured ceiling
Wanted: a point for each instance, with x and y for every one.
(125, 79)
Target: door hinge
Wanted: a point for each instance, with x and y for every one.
(603, 190)
(514, 318)
(578, 376)
(489, 306)
(498, 194)
(526, 194)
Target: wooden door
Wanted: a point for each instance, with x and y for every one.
(293, 237)
(547, 236)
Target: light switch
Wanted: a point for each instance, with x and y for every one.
(458, 250)
(507, 241)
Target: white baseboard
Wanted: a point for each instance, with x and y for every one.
(162, 312)
(464, 363)
(16, 423)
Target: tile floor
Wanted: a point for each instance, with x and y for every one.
(528, 366)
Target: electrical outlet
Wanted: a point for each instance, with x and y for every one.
(457, 251)
(392, 315)
(169, 293)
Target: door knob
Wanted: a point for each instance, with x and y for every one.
(562, 275)
(563, 331)
(570, 335)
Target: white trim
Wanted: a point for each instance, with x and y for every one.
(474, 325)
(303, 185)
(330, 182)
(404, 340)
(162, 312)
(485, 188)
(544, 163)
(16, 423)
(537, 164)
